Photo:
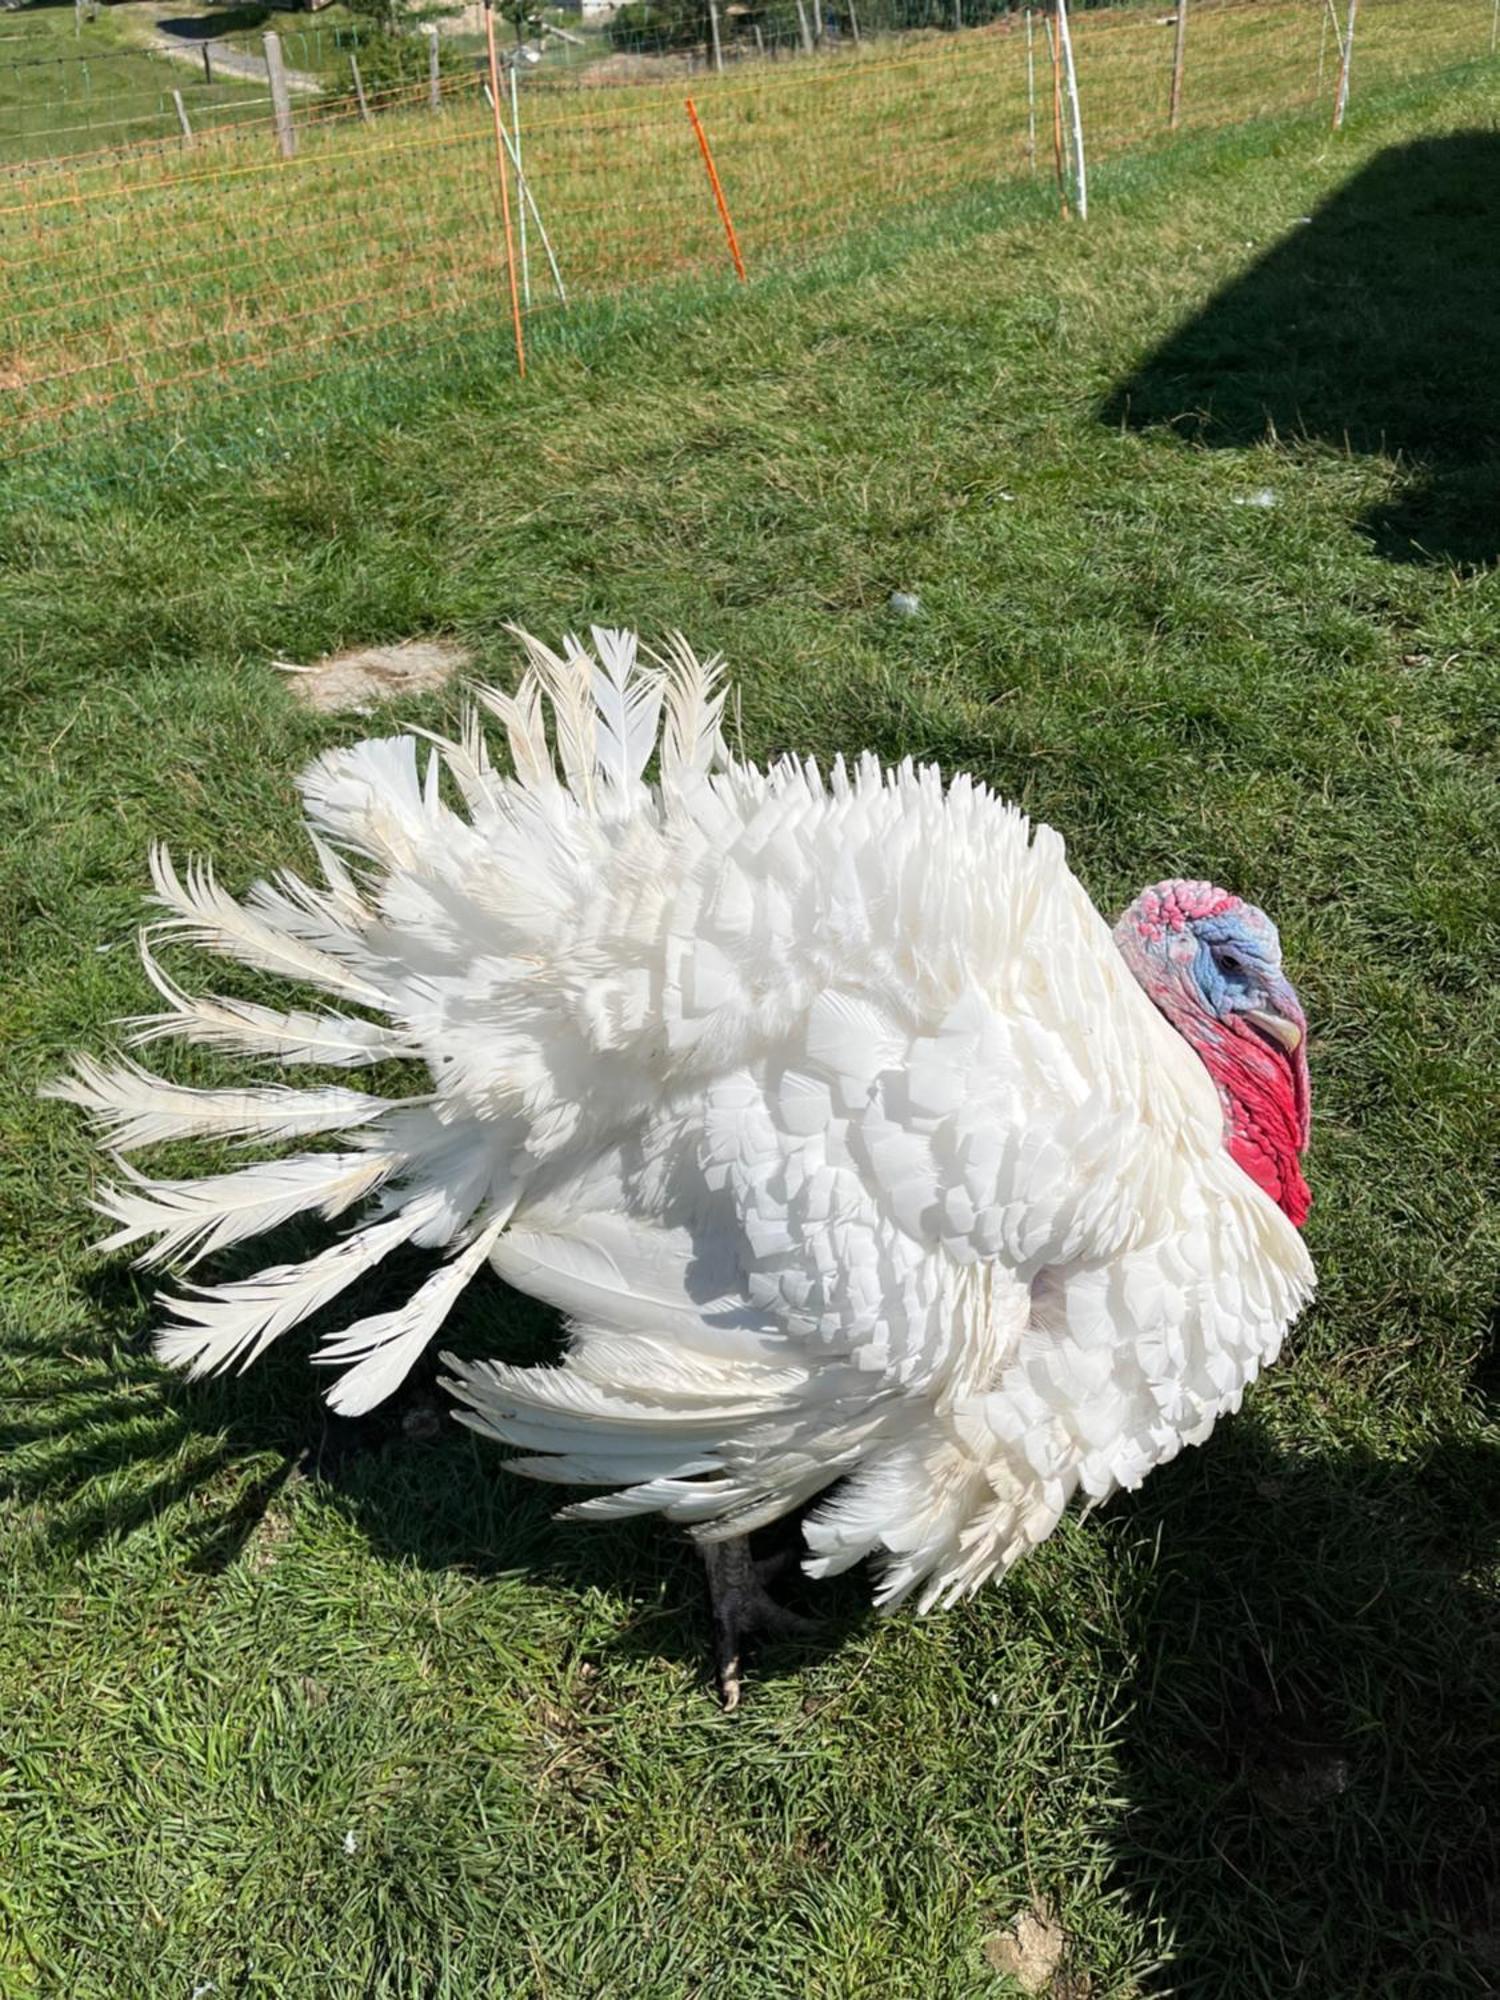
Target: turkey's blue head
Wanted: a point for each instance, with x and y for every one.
(1212, 964)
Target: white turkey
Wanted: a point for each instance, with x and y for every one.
(863, 1159)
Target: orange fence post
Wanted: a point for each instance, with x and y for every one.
(713, 181)
(510, 244)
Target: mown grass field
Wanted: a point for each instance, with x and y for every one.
(302, 1707)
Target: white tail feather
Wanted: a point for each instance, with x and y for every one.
(384, 1347)
(207, 915)
(627, 705)
(295, 1035)
(191, 1219)
(568, 683)
(225, 1324)
(342, 887)
(134, 1109)
(467, 762)
(318, 918)
(691, 741)
(525, 731)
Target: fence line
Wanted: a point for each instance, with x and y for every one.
(128, 280)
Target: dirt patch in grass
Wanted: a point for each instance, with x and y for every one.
(358, 679)
(1030, 1951)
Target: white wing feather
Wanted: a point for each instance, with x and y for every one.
(225, 1325)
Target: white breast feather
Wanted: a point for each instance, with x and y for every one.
(825, 1108)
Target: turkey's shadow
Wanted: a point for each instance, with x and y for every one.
(1372, 326)
(112, 1446)
(1310, 1756)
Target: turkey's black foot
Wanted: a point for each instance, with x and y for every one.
(743, 1609)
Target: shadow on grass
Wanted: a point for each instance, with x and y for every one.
(1309, 1755)
(1373, 326)
(1311, 1760)
(113, 1443)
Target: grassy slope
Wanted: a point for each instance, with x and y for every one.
(64, 93)
(1247, 1714)
(131, 282)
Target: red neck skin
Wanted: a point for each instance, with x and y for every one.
(1265, 1094)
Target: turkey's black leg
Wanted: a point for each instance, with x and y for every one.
(743, 1609)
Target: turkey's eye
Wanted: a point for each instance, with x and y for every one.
(1227, 960)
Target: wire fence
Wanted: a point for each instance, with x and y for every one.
(132, 278)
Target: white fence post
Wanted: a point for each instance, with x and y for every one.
(1341, 103)
(359, 88)
(536, 214)
(515, 154)
(1080, 174)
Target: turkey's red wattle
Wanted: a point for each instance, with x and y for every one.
(1266, 1097)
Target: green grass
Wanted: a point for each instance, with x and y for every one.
(1240, 1727)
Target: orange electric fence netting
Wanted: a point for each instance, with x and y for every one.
(132, 278)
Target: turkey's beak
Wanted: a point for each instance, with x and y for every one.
(1282, 1019)
(1278, 1026)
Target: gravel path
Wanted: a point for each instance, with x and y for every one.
(183, 44)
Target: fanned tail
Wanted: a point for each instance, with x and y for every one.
(393, 951)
